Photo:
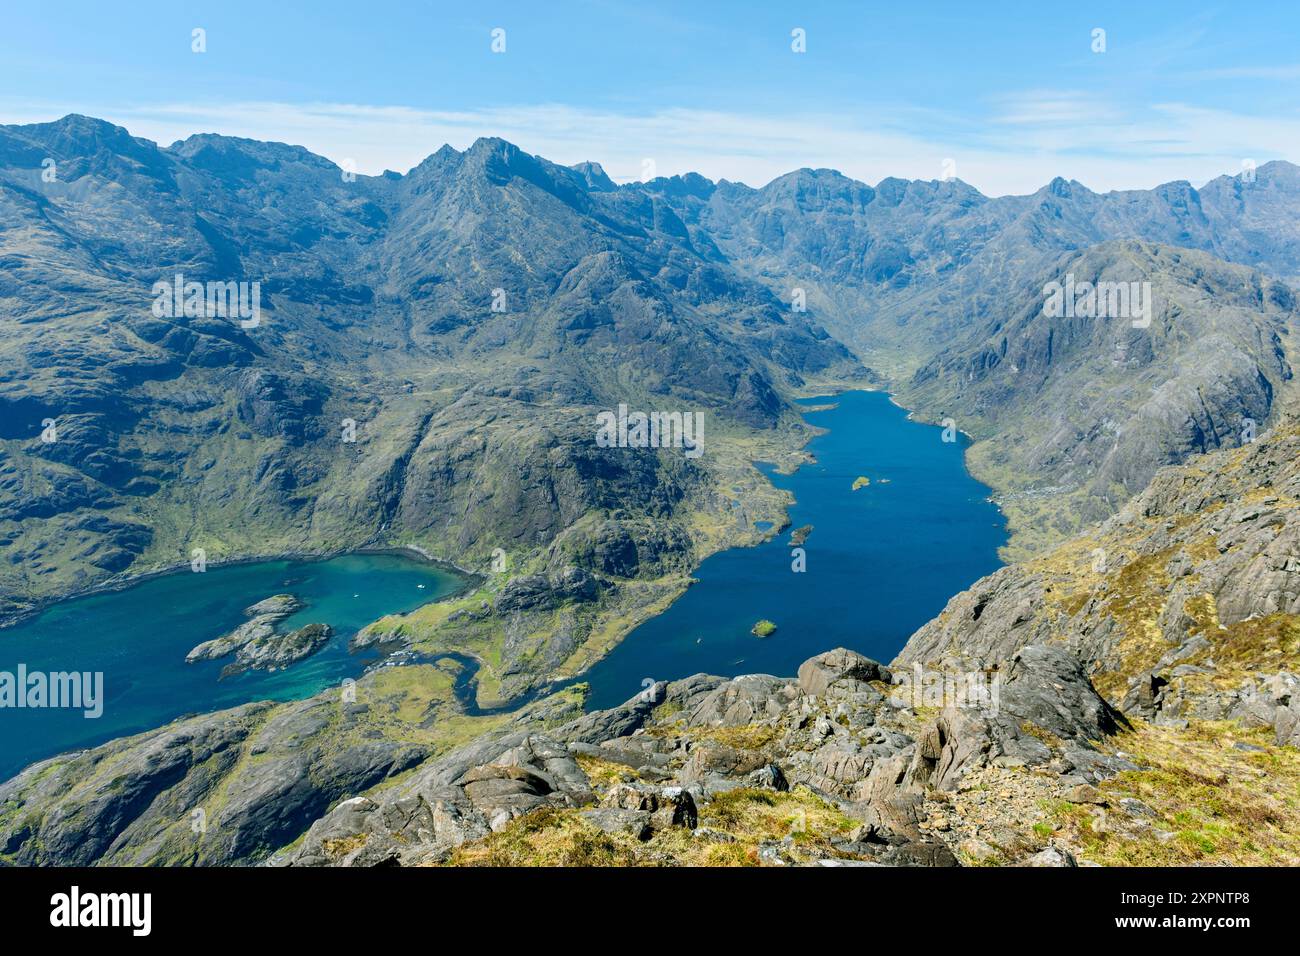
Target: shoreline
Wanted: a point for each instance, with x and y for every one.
(467, 689)
(829, 402)
(126, 582)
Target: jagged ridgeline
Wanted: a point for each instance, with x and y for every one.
(945, 291)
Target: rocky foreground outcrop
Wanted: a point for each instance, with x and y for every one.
(834, 766)
(1185, 605)
(675, 774)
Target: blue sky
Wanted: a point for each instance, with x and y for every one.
(1012, 93)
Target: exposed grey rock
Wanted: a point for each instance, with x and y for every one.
(1047, 686)
(1085, 793)
(264, 615)
(825, 861)
(617, 820)
(818, 673)
(768, 777)
(1052, 856)
(667, 806)
(134, 800)
(640, 753)
(1045, 690)
(1210, 529)
(1136, 808)
(1286, 722)
(460, 797)
(744, 700)
(274, 651)
(715, 758)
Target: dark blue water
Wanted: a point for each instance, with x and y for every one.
(881, 561)
(139, 638)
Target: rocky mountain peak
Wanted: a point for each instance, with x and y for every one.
(83, 145)
(593, 174)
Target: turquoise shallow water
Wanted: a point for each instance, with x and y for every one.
(138, 638)
(881, 561)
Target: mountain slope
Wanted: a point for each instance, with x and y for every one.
(934, 285)
(389, 299)
(1074, 414)
(1200, 569)
(900, 266)
(176, 432)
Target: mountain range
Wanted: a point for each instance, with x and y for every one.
(430, 356)
(378, 299)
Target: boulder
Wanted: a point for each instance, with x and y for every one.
(617, 820)
(745, 700)
(1052, 856)
(818, 673)
(666, 806)
(768, 777)
(1045, 694)
(1085, 793)
(454, 799)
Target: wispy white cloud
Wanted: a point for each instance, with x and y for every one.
(1285, 71)
(1048, 107)
(1025, 140)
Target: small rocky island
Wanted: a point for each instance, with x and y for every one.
(764, 628)
(256, 643)
(799, 535)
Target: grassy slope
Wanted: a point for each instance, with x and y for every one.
(723, 517)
